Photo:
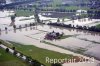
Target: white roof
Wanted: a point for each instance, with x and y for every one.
(81, 11)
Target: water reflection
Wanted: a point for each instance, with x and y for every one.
(14, 30)
(71, 30)
(85, 39)
(56, 28)
(30, 28)
(6, 32)
(26, 29)
(0, 32)
(50, 27)
(20, 30)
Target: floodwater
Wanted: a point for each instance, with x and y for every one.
(87, 41)
(80, 39)
(57, 14)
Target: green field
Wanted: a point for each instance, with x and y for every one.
(26, 13)
(55, 4)
(39, 53)
(98, 26)
(7, 59)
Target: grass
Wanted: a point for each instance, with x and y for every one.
(39, 53)
(7, 59)
(98, 26)
(66, 36)
(80, 50)
(24, 13)
(26, 19)
(71, 7)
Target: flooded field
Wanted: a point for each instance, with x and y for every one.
(80, 41)
(57, 14)
(85, 42)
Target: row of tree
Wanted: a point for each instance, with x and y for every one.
(20, 27)
(94, 14)
(92, 28)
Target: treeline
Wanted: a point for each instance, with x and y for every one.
(94, 14)
(92, 28)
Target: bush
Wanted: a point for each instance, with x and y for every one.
(0, 42)
(56, 64)
(7, 49)
(36, 63)
(13, 48)
(21, 55)
(28, 58)
(15, 52)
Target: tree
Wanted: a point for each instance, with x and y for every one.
(13, 19)
(36, 15)
(6, 28)
(63, 19)
(58, 20)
